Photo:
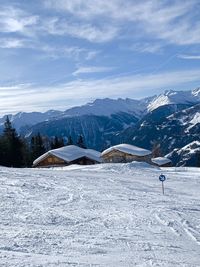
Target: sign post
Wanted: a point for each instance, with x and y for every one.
(162, 178)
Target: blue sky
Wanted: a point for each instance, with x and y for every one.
(58, 54)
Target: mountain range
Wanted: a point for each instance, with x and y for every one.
(170, 120)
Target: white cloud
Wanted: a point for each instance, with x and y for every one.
(87, 31)
(92, 54)
(14, 20)
(91, 69)
(102, 21)
(147, 47)
(86, 9)
(12, 43)
(172, 21)
(195, 57)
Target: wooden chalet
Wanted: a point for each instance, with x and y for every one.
(126, 153)
(68, 155)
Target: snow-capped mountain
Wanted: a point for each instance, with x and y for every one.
(188, 155)
(175, 97)
(100, 107)
(107, 107)
(172, 127)
(23, 119)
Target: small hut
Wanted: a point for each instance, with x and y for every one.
(162, 162)
(126, 153)
(68, 155)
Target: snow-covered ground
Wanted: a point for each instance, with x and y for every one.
(102, 215)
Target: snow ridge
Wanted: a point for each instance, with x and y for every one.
(175, 97)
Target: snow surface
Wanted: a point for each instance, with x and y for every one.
(22, 119)
(70, 153)
(175, 97)
(195, 120)
(107, 106)
(130, 149)
(106, 215)
(190, 148)
(161, 161)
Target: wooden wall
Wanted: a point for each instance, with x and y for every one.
(54, 161)
(51, 161)
(116, 156)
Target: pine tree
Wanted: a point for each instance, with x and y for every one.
(13, 146)
(69, 141)
(57, 143)
(37, 146)
(80, 142)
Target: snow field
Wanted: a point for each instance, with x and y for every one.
(101, 215)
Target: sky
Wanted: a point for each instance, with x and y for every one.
(55, 54)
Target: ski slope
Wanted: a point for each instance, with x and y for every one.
(103, 215)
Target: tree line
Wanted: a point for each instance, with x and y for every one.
(16, 151)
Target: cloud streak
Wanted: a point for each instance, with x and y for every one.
(171, 22)
(195, 57)
(91, 69)
(15, 20)
(87, 31)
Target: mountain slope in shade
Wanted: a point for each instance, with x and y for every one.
(154, 127)
(171, 131)
(98, 131)
(188, 155)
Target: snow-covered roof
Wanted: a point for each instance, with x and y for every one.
(161, 161)
(129, 149)
(71, 153)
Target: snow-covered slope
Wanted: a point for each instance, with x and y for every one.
(104, 215)
(100, 107)
(107, 106)
(188, 155)
(22, 119)
(160, 161)
(175, 97)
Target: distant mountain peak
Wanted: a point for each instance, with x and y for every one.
(196, 91)
(175, 97)
(107, 107)
(170, 92)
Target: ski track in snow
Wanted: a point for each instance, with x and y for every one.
(102, 215)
